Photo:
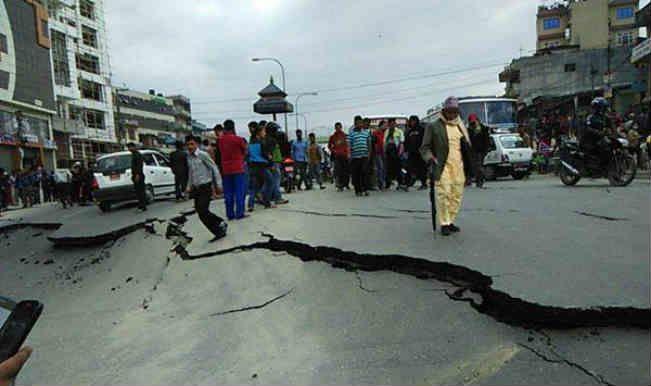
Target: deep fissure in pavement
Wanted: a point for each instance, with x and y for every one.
(497, 304)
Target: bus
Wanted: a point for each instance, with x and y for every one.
(500, 114)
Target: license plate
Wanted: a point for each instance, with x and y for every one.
(115, 177)
(289, 170)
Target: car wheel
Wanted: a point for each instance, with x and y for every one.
(105, 206)
(149, 194)
(490, 172)
(518, 175)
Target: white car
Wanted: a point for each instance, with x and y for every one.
(113, 178)
(508, 155)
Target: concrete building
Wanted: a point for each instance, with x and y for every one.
(551, 26)
(575, 72)
(26, 99)
(584, 50)
(151, 119)
(84, 127)
(588, 24)
(641, 55)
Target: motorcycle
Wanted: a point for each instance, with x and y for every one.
(575, 164)
(287, 175)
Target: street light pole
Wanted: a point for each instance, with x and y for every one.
(296, 104)
(282, 72)
(304, 120)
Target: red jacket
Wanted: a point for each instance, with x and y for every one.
(338, 144)
(232, 150)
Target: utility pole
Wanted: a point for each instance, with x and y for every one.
(608, 74)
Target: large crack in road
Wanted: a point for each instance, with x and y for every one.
(482, 297)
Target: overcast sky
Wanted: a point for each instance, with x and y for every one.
(203, 49)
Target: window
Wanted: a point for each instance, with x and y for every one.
(87, 9)
(625, 13)
(89, 36)
(4, 79)
(148, 158)
(625, 38)
(45, 29)
(570, 67)
(552, 23)
(90, 90)
(94, 119)
(89, 63)
(512, 142)
(3, 44)
(60, 59)
(162, 161)
(114, 163)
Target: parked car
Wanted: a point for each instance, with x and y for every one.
(508, 155)
(113, 183)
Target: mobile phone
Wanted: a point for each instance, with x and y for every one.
(16, 321)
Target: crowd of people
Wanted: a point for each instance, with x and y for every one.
(37, 185)
(377, 158)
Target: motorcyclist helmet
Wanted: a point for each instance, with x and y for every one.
(600, 103)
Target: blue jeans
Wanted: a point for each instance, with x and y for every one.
(235, 195)
(381, 173)
(255, 183)
(275, 177)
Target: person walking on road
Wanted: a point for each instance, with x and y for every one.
(179, 163)
(204, 183)
(480, 139)
(446, 147)
(299, 155)
(233, 151)
(338, 145)
(360, 150)
(138, 176)
(315, 156)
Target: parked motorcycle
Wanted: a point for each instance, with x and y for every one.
(575, 164)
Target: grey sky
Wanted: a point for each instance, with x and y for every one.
(203, 49)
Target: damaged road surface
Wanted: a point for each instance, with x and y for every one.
(342, 291)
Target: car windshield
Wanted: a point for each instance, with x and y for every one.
(115, 163)
(500, 113)
(512, 142)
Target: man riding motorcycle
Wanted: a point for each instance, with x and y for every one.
(594, 142)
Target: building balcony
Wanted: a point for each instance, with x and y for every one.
(68, 126)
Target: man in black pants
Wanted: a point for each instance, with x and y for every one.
(204, 183)
(138, 176)
(179, 162)
(413, 140)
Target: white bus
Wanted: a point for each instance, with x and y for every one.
(500, 114)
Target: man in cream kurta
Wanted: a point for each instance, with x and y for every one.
(449, 189)
(443, 146)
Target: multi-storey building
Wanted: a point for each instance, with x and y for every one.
(588, 24)
(584, 50)
(84, 126)
(152, 119)
(26, 98)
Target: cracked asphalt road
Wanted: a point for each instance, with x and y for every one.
(130, 311)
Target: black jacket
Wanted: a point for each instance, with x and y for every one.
(480, 139)
(136, 164)
(414, 139)
(179, 162)
(594, 129)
